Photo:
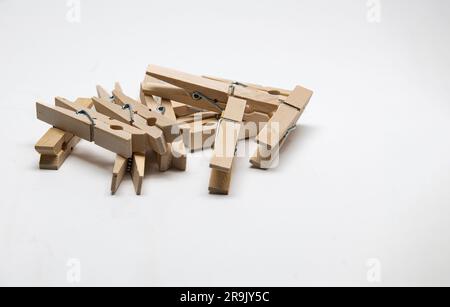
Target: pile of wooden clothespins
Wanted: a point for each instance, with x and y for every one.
(176, 110)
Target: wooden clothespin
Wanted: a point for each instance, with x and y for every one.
(275, 133)
(225, 146)
(56, 145)
(130, 114)
(134, 165)
(207, 94)
(172, 92)
(91, 126)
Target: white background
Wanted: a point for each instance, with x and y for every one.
(366, 176)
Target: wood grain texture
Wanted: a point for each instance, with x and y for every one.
(169, 127)
(51, 143)
(66, 120)
(119, 171)
(299, 98)
(277, 127)
(54, 162)
(57, 145)
(284, 118)
(111, 135)
(138, 172)
(228, 135)
(219, 182)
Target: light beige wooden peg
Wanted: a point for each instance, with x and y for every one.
(105, 105)
(85, 124)
(180, 109)
(138, 172)
(57, 145)
(119, 171)
(118, 120)
(52, 142)
(135, 166)
(225, 146)
(154, 136)
(274, 134)
(211, 94)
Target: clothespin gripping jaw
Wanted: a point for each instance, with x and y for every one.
(285, 118)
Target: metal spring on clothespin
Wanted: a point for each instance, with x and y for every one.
(130, 108)
(289, 131)
(129, 165)
(199, 96)
(231, 89)
(85, 113)
(239, 84)
(161, 109)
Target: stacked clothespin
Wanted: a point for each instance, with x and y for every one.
(176, 110)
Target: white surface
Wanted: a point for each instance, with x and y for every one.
(366, 176)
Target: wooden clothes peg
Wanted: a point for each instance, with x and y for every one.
(56, 145)
(92, 126)
(225, 146)
(155, 135)
(275, 133)
(134, 165)
(207, 94)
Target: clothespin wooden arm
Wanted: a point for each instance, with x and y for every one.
(140, 142)
(285, 118)
(84, 124)
(215, 92)
(109, 108)
(52, 142)
(56, 145)
(179, 108)
(178, 94)
(155, 135)
(228, 133)
(225, 146)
